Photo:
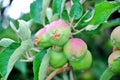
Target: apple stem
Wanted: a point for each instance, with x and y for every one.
(107, 74)
(115, 48)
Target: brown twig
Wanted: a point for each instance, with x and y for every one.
(115, 48)
(57, 71)
(71, 75)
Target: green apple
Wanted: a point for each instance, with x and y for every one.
(83, 64)
(57, 59)
(114, 61)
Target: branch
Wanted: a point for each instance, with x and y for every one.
(30, 59)
(80, 19)
(115, 48)
(71, 74)
(57, 71)
(79, 31)
(71, 23)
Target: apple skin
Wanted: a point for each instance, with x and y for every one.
(115, 66)
(83, 64)
(57, 48)
(114, 61)
(41, 38)
(57, 59)
(58, 32)
(75, 49)
(115, 36)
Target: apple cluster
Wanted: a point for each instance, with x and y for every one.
(64, 47)
(114, 58)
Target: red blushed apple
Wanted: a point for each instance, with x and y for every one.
(115, 36)
(41, 38)
(75, 49)
(114, 61)
(58, 32)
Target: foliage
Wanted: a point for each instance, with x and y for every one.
(91, 21)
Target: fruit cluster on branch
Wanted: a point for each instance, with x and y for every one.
(64, 47)
(114, 58)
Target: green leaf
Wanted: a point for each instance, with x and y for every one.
(65, 16)
(5, 42)
(76, 10)
(45, 4)
(38, 10)
(99, 1)
(119, 10)
(107, 74)
(4, 57)
(21, 66)
(65, 76)
(103, 10)
(110, 23)
(23, 31)
(44, 65)
(49, 14)
(37, 63)
(23, 48)
(35, 10)
(58, 6)
(83, 20)
(91, 27)
(86, 16)
(13, 26)
(75, 1)
(55, 17)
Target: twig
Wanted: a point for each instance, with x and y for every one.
(71, 22)
(27, 55)
(30, 59)
(79, 31)
(115, 48)
(73, 27)
(77, 23)
(71, 75)
(35, 49)
(80, 20)
(57, 71)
